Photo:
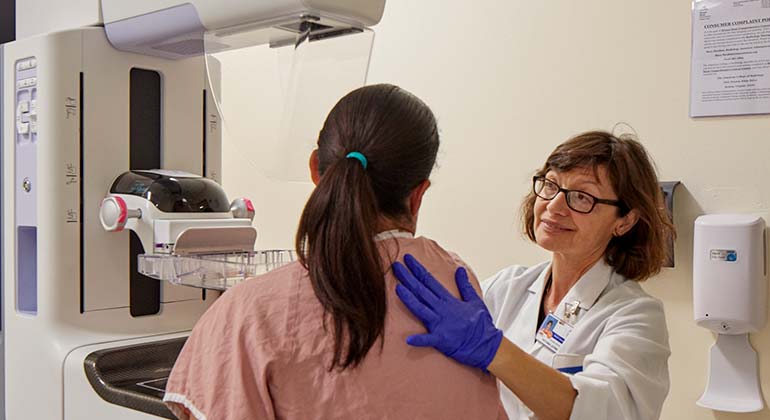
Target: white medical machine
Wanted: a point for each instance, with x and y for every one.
(110, 163)
(730, 299)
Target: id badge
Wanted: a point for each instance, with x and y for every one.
(552, 332)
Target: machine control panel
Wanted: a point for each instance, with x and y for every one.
(25, 95)
(26, 100)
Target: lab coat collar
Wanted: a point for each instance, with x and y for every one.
(587, 289)
(538, 285)
(590, 286)
(524, 328)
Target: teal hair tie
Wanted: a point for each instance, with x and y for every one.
(361, 158)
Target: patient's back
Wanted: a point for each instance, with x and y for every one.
(261, 351)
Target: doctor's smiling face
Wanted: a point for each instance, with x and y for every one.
(582, 228)
(598, 195)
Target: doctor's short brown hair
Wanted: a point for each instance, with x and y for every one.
(642, 251)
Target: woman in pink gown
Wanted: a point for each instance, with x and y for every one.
(322, 338)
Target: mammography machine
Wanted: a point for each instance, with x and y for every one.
(110, 165)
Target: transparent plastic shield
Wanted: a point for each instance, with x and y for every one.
(274, 97)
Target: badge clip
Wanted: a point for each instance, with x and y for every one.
(571, 309)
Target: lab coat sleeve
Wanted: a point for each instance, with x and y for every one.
(497, 288)
(626, 376)
(223, 370)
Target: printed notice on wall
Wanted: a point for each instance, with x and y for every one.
(730, 67)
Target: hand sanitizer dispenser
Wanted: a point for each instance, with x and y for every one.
(730, 298)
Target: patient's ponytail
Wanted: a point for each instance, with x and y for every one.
(378, 143)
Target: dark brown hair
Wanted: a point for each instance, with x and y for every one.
(397, 134)
(641, 252)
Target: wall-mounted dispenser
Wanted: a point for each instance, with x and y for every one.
(730, 298)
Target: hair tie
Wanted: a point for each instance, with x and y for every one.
(361, 158)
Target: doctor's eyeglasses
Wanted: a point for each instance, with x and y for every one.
(579, 201)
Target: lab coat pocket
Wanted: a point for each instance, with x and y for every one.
(569, 363)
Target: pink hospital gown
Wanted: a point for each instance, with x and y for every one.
(261, 352)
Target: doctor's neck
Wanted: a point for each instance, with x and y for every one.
(567, 269)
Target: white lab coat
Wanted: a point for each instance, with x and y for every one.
(619, 338)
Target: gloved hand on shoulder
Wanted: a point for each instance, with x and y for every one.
(460, 329)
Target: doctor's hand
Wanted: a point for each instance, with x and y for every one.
(461, 329)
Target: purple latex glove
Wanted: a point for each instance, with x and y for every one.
(461, 329)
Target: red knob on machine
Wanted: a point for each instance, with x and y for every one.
(113, 213)
(242, 208)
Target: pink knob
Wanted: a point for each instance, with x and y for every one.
(113, 214)
(242, 208)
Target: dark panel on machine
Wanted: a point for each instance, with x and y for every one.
(144, 152)
(134, 376)
(145, 114)
(7, 21)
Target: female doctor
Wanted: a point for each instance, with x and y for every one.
(596, 206)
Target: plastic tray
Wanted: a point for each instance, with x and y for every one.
(213, 271)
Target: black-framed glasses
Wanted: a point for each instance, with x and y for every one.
(579, 201)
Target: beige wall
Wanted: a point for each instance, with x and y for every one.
(508, 81)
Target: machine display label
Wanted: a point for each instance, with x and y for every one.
(70, 107)
(72, 216)
(70, 175)
(729, 255)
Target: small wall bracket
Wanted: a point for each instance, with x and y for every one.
(667, 188)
